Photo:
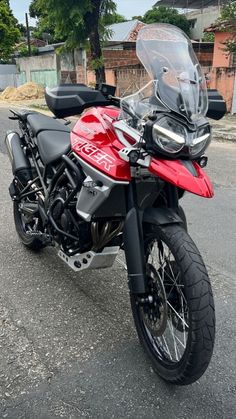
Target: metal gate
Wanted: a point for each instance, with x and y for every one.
(44, 77)
(234, 96)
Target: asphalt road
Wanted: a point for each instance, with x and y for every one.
(68, 347)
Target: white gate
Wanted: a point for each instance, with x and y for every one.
(234, 96)
(8, 80)
(8, 75)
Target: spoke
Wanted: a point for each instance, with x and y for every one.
(174, 284)
(169, 264)
(182, 305)
(182, 294)
(167, 347)
(179, 285)
(177, 314)
(181, 343)
(173, 335)
(174, 339)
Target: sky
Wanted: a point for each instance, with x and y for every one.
(128, 8)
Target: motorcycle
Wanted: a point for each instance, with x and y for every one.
(114, 182)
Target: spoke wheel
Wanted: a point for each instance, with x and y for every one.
(171, 343)
(175, 321)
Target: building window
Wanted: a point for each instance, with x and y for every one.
(234, 59)
(192, 23)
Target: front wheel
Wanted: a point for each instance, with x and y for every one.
(175, 321)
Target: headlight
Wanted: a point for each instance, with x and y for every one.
(169, 135)
(201, 141)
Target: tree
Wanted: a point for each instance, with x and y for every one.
(227, 23)
(77, 21)
(9, 33)
(137, 18)
(163, 14)
(112, 18)
(45, 23)
(208, 37)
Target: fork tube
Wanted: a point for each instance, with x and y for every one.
(133, 243)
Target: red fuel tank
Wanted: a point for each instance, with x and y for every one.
(94, 140)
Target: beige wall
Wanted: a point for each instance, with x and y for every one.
(39, 62)
(204, 19)
(110, 77)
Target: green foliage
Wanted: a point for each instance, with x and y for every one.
(97, 63)
(163, 14)
(227, 22)
(66, 20)
(111, 18)
(23, 51)
(75, 21)
(22, 29)
(208, 37)
(9, 33)
(137, 18)
(45, 22)
(228, 15)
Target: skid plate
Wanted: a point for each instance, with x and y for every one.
(91, 260)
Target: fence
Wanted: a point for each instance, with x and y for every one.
(129, 81)
(13, 80)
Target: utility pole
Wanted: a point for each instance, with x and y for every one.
(28, 33)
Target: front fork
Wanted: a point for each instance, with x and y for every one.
(133, 232)
(134, 244)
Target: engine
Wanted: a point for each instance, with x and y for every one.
(70, 230)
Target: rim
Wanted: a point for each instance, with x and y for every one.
(169, 341)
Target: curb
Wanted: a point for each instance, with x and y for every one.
(224, 136)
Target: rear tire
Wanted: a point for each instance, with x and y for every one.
(193, 288)
(30, 242)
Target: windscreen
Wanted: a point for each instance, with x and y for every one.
(178, 82)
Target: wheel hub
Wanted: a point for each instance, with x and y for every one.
(155, 311)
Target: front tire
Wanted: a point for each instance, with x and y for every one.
(179, 307)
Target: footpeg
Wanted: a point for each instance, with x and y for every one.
(43, 237)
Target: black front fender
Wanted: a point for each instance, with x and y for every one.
(161, 216)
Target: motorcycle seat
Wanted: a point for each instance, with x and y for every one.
(39, 122)
(52, 145)
(22, 114)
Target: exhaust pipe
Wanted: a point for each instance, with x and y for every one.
(8, 142)
(20, 163)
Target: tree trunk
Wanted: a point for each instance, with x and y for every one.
(92, 21)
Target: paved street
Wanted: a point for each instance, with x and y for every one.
(68, 347)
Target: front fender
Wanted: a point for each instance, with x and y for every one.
(161, 216)
(188, 176)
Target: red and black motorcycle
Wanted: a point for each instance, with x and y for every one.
(115, 181)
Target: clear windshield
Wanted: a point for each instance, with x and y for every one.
(178, 82)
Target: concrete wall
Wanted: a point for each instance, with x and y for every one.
(42, 69)
(110, 78)
(204, 18)
(221, 58)
(223, 80)
(8, 69)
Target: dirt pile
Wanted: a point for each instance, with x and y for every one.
(27, 91)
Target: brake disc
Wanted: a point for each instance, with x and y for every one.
(155, 311)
